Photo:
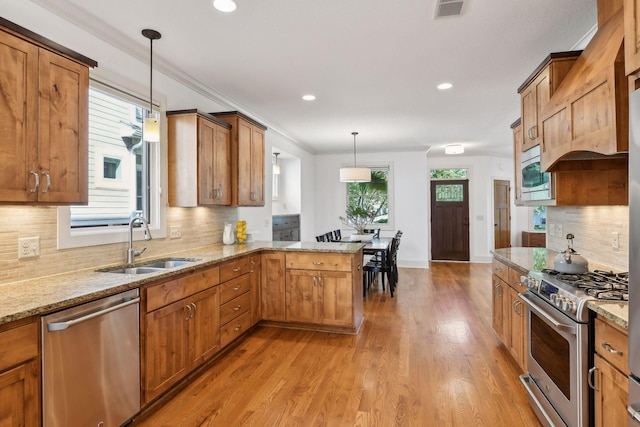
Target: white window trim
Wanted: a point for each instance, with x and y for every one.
(390, 225)
(94, 236)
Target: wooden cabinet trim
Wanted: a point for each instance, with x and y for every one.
(318, 261)
(18, 345)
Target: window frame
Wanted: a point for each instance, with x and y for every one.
(94, 236)
(390, 225)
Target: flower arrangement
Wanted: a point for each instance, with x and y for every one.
(358, 217)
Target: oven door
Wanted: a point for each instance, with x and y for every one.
(557, 358)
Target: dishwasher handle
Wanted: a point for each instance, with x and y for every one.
(60, 326)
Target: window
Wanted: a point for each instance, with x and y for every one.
(123, 172)
(450, 193)
(540, 218)
(374, 195)
(449, 173)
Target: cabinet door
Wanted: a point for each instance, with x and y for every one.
(18, 119)
(272, 286)
(166, 347)
(610, 395)
(517, 158)
(63, 130)
(204, 326)
(19, 396)
(245, 131)
(498, 298)
(256, 310)
(257, 166)
(206, 162)
(303, 296)
(529, 116)
(337, 298)
(631, 36)
(222, 166)
(517, 329)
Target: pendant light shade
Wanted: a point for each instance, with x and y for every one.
(355, 174)
(276, 166)
(151, 127)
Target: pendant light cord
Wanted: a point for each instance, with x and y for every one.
(355, 164)
(151, 81)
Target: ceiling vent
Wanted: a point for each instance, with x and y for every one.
(448, 8)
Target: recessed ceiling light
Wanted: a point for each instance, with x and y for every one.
(224, 5)
(445, 86)
(309, 97)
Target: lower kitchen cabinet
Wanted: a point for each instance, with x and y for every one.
(256, 305)
(20, 376)
(608, 376)
(500, 312)
(272, 286)
(236, 297)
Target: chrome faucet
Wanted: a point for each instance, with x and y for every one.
(131, 253)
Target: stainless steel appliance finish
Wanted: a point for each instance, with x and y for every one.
(91, 363)
(634, 256)
(536, 184)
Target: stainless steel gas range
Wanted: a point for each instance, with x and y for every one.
(558, 338)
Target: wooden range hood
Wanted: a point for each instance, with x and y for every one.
(585, 124)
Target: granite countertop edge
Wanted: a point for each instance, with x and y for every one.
(523, 259)
(46, 294)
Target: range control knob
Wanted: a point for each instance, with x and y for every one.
(559, 301)
(571, 307)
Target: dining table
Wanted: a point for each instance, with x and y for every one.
(375, 246)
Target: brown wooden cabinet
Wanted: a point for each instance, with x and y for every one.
(631, 36)
(256, 295)
(182, 329)
(45, 124)
(534, 239)
(247, 158)
(238, 279)
(518, 141)
(508, 310)
(608, 377)
(536, 91)
(19, 376)
(199, 159)
(272, 286)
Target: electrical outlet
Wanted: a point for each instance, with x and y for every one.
(559, 230)
(552, 229)
(615, 240)
(28, 247)
(175, 232)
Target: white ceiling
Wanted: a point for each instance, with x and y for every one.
(373, 64)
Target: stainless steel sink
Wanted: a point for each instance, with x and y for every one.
(151, 267)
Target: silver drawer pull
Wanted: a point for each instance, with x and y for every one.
(35, 187)
(610, 349)
(237, 307)
(46, 188)
(235, 270)
(237, 288)
(317, 263)
(590, 378)
(237, 328)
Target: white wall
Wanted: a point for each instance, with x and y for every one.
(409, 206)
(290, 190)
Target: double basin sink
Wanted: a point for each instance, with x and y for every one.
(152, 267)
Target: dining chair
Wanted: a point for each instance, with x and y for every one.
(321, 238)
(337, 235)
(374, 231)
(387, 265)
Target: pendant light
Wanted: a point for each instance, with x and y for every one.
(151, 132)
(355, 174)
(276, 166)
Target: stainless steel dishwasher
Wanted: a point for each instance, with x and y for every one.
(91, 363)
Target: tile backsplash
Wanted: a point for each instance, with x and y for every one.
(593, 228)
(199, 227)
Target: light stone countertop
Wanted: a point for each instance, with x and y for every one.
(26, 298)
(536, 259)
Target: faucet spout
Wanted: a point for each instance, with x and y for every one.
(132, 253)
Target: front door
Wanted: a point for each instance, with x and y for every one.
(501, 214)
(450, 220)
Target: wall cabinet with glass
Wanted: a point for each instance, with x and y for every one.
(247, 158)
(43, 118)
(199, 159)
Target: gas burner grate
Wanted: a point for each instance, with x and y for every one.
(608, 295)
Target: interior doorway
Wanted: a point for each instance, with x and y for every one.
(450, 220)
(501, 214)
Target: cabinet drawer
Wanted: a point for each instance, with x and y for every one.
(501, 270)
(612, 344)
(234, 288)
(235, 307)
(318, 261)
(232, 269)
(174, 290)
(514, 279)
(235, 328)
(18, 345)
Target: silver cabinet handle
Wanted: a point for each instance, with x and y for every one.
(59, 326)
(237, 328)
(317, 263)
(219, 190)
(590, 378)
(195, 307)
(46, 188)
(315, 281)
(237, 307)
(190, 310)
(235, 270)
(253, 266)
(35, 187)
(237, 288)
(610, 349)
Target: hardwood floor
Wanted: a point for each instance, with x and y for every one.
(427, 357)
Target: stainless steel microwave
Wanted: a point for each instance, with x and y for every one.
(535, 184)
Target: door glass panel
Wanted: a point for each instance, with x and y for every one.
(449, 193)
(552, 352)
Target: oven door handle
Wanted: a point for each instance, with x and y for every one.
(541, 312)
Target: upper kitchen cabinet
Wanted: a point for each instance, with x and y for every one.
(536, 91)
(44, 120)
(517, 156)
(632, 36)
(247, 159)
(587, 117)
(199, 159)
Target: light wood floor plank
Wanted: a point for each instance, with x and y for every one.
(427, 357)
